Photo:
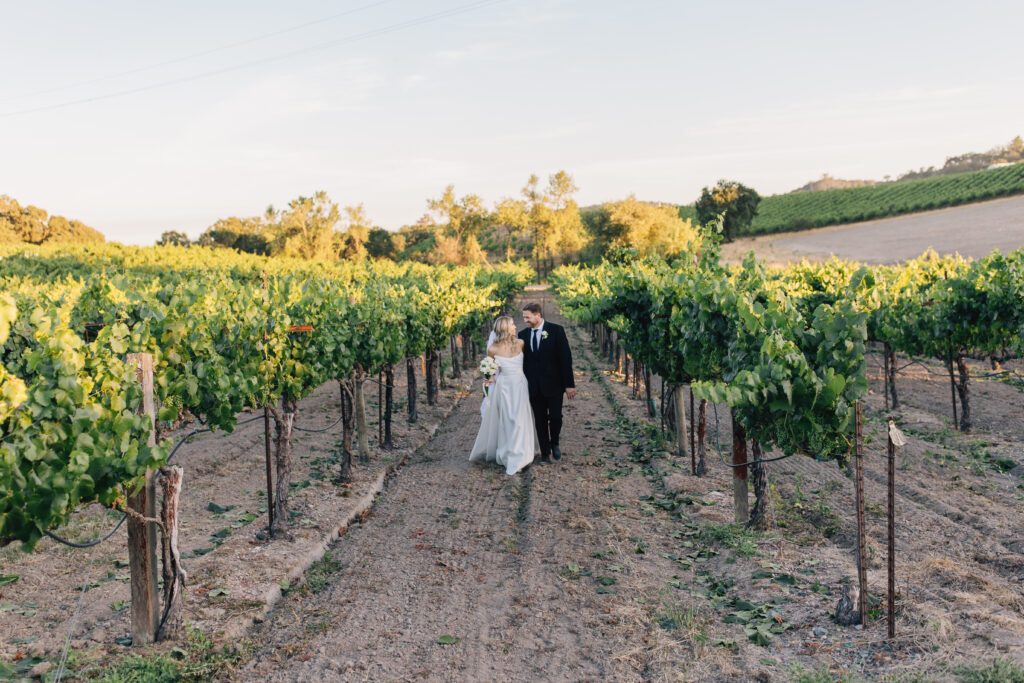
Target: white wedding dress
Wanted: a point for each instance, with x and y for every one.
(507, 433)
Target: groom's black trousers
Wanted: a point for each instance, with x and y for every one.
(547, 414)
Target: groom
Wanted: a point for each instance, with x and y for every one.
(548, 368)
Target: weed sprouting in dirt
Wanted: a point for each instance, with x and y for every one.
(197, 660)
(823, 675)
(999, 671)
(735, 537)
(317, 577)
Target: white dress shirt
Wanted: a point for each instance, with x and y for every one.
(536, 332)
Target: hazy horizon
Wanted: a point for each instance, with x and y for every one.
(137, 119)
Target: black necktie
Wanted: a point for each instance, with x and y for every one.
(536, 333)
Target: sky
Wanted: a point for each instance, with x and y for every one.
(137, 118)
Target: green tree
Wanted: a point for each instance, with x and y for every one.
(32, 225)
(305, 230)
(737, 201)
(553, 218)
(351, 243)
(512, 224)
(459, 219)
(174, 238)
(642, 226)
(244, 234)
(380, 244)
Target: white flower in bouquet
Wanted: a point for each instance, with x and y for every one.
(488, 367)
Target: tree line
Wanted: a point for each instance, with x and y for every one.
(32, 225)
(543, 224)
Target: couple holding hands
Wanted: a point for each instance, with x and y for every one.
(522, 413)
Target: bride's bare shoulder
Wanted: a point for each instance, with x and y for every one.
(519, 345)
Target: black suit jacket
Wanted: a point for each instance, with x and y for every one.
(548, 369)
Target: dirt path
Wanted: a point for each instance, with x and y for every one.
(510, 566)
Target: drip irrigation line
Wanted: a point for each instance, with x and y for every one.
(90, 544)
(318, 431)
(204, 430)
(187, 437)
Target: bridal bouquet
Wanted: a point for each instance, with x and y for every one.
(488, 368)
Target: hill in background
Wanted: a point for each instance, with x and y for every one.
(1010, 153)
(827, 182)
(972, 177)
(32, 225)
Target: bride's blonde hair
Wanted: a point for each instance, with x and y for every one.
(505, 330)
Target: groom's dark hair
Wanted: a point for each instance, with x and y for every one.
(533, 307)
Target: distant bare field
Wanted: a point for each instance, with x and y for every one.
(971, 230)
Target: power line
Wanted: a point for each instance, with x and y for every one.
(426, 19)
(204, 53)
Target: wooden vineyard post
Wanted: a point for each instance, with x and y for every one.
(858, 475)
(891, 592)
(142, 534)
(680, 406)
(739, 474)
(895, 439)
(693, 448)
(270, 468)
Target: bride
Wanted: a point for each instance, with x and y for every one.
(507, 433)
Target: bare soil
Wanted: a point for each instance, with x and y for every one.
(615, 563)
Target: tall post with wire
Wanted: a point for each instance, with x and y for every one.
(862, 560)
(145, 610)
(895, 440)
